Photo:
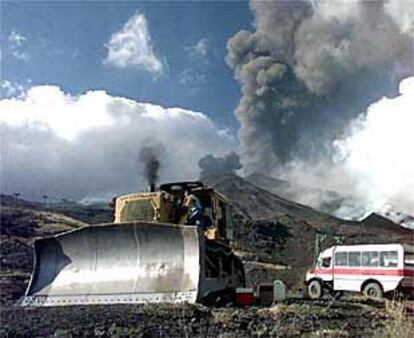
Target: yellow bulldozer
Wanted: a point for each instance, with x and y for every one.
(147, 255)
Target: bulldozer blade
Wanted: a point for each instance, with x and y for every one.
(136, 262)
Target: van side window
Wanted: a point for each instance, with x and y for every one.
(389, 259)
(354, 258)
(370, 258)
(341, 259)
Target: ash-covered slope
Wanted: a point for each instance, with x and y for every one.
(399, 217)
(255, 203)
(92, 213)
(278, 231)
(322, 200)
(12, 201)
(327, 201)
(259, 203)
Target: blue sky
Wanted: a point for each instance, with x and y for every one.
(88, 84)
(63, 43)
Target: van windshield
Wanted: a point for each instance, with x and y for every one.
(324, 262)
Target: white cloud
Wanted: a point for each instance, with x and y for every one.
(131, 47)
(9, 88)
(16, 38)
(378, 153)
(196, 75)
(200, 49)
(402, 11)
(190, 77)
(81, 146)
(16, 46)
(48, 108)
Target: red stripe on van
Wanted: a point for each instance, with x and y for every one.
(361, 271)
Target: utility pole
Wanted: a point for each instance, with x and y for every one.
(15, 202)
(16, 196)
(45, 197)
(321, 239)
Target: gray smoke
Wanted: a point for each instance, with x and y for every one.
(211, 165)
(150, 158)
(312, 66)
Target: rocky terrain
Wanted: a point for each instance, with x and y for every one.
(275, 238)
(294, 318)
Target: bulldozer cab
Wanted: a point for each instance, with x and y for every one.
(164, 206)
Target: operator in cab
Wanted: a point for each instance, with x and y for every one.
(192, 210)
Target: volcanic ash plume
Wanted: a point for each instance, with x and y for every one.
(310, 67)
(211, 165)
(150, 157)
(371, 168)
(378, 154)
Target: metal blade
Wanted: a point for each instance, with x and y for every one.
(123, 263)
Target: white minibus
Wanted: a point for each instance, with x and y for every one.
(373, 269)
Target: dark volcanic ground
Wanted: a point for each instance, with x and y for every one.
(275, 238)
(295, 318)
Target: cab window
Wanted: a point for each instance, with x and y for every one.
(325, 262)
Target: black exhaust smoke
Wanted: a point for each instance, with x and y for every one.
(149, 157)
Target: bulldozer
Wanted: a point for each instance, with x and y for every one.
(147, 255)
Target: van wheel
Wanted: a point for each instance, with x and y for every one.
(315, 289)
(373, 290)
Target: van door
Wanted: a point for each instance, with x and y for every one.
(347, 271)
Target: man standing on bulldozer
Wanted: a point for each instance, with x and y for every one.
(192, 210)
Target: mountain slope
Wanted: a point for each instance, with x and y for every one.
(322, 200)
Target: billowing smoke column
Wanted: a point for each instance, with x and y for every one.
(377, 155)
(211, 165)
(150, 158)
(312, 66)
